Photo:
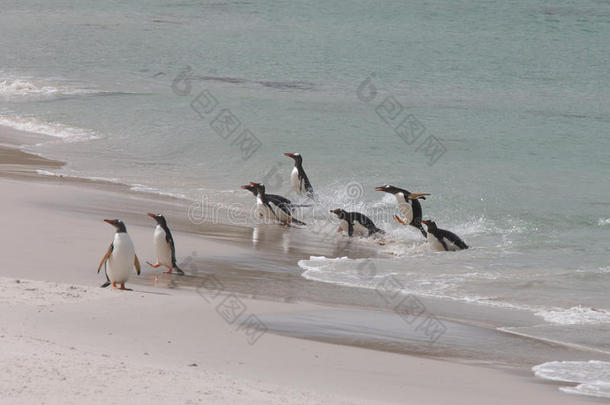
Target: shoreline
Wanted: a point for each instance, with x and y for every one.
(298, 307)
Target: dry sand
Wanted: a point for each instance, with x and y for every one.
(64, 340)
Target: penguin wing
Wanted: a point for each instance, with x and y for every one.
(281, 204)
(136, 263)
(451, 237)
(106, 256)
(364, 220)
(268, 205)
(306, 184)
(367, 223)
(170, 241)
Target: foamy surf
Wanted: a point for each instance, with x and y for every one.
(17, 88)
(578, 315)
(592, 377)
(54, 129)
(154, 190)
(367, 273)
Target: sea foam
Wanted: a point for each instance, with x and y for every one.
(592, 377)
(54, 129)
(577, 315)
(11, 87)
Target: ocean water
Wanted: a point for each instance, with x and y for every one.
(499, 110)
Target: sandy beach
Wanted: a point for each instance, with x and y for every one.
(65, 340)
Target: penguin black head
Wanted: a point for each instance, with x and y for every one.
(342, 214)
(260, 187)
(118, 224)
(388, 189)
(159, 218)
(298, 159)
(430, 224)
(250, 188)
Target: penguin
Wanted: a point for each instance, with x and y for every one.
(120, 257)
(298, 177)
(164, 246)
(440, 239)
(286, 201)
(355, 223)
(272, 207)
(408, 206)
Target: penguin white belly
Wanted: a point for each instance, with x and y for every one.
(162, 248)
(451, 246)
(295, 181)
(262, 211)
(360, 230)
(404, 207)
(434, 243)
(121, 261)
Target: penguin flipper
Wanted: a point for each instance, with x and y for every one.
(350, 229)
(106, 284)
(106, 256)
(136, 263)
(170, 240)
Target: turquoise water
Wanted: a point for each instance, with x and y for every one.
(517, 94)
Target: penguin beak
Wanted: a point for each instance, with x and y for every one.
(335, 212)
(414, 196)
(289, 154)
(152, 215)
(246, 187)
(381, 188)
(110, 221)
(427, 222)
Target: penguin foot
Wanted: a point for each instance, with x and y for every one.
(402, 221)
(154, 265)
(123, 287)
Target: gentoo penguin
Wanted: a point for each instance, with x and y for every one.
(408, 206)
(298, 177)
(440, 239)
(254, 191)
(355, 223)
(164, 245)
(271, 207)
(120, 257)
